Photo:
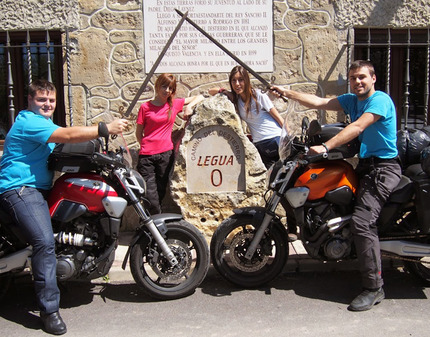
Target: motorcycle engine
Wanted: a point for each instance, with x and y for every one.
(66, 264)
(327, 233)
(74, 247)
(337, 247)
(66, 267)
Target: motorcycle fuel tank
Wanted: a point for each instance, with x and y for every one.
(82, 188)
(321, 178)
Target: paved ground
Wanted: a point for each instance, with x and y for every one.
(298, 261)
(309, 299)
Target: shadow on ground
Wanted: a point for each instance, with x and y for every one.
(19, 304)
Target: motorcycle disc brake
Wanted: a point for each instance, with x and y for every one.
(238, 248)
(163, 268)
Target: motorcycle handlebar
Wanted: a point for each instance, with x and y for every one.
(312, 158)
(106, 160)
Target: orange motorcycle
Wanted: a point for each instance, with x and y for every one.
(250, 248)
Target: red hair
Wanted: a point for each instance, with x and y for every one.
(169, 81)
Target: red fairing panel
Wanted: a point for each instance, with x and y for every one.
(84, 188)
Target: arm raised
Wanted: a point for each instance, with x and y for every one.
(77, 134)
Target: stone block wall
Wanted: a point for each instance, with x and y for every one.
(107, 59)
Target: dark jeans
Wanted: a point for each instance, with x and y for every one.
(377, 180)
(268, 150)
(155, 170)
(29, 209)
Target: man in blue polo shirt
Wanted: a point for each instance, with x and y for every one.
(25, 181)
(373, 121)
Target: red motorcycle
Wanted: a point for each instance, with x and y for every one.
(168, 256)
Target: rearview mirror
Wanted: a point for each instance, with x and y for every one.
(103, 132)
(305, 126)
(314, 128)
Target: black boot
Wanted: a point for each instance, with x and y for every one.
(53, 323)
(367, 299)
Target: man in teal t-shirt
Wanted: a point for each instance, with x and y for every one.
(378, 139)
(373, 121)
(25, 181)
(26, 151)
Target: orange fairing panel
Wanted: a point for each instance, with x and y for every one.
(323, 177)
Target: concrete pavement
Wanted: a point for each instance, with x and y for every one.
(309, 299)
(298, 261)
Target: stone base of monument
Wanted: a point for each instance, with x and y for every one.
(217, 168)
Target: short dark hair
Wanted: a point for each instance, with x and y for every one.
(362, 63)
(41, 85)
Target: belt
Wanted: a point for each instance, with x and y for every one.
(377, 160)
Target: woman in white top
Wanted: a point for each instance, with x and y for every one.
(257, 110)
(262, 118)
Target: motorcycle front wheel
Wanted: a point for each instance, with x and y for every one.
(153, 272)
(229, 245)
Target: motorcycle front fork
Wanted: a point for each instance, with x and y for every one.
(268, 216)
(149, 223)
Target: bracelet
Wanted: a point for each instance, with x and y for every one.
(221, 90)
(325, 146)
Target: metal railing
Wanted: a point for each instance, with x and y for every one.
(30, 57)
(407, 48)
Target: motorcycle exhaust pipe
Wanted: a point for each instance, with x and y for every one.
(74, 239)
(333, 225)
(337, 223)
(405, 248)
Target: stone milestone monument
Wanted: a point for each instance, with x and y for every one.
(217, 168)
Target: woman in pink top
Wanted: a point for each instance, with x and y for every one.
(154, 129)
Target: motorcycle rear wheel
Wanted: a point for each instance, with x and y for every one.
(5, 282)
(152, 271)
(419, 269)
(230, 243)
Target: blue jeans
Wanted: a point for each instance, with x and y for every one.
(29, 210)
